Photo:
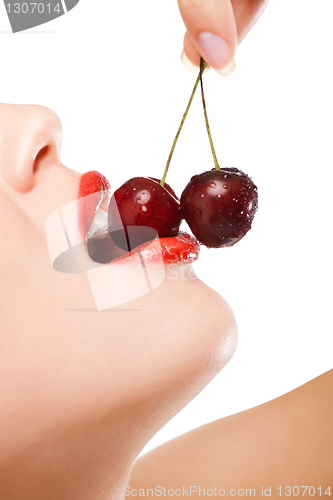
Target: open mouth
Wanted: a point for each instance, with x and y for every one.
(113, 243)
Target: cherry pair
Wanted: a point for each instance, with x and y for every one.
(219, 205)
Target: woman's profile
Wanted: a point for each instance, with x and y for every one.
(83, 391)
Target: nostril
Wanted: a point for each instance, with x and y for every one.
(40, 157)
(30, 142)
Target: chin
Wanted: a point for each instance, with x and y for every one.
(190, 335)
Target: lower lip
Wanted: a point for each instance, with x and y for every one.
(180, 249)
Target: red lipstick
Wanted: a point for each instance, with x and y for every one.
(91, 183)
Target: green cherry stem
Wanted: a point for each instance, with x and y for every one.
(179, 130)
(203, 66)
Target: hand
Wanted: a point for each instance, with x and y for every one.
(215, 28)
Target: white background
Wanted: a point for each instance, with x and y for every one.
(112, 72)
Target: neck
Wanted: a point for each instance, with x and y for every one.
(90, 461)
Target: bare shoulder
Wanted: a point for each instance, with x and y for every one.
(288, 440)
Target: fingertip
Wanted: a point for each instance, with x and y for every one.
(227, 70)
(187, 63)
(190, 50)
(211, 33)
(190, 57)
(216, 52)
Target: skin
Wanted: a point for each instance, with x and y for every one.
(230, 19)
(83, 391)
(285, 442)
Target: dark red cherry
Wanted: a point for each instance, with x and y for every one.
(146, 208)
(219, 206)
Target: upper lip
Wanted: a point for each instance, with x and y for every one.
(94, 192)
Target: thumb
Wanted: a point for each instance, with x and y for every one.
(211, 31)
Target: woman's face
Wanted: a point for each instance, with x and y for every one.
(64, 365)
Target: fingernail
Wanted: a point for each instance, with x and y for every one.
(187, 63)
(190, 66)
(216, 52)
(228, 70)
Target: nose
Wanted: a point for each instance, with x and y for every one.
(30, 137)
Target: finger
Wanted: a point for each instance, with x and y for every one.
(247, 13)
(212, 30)
(190, 56)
